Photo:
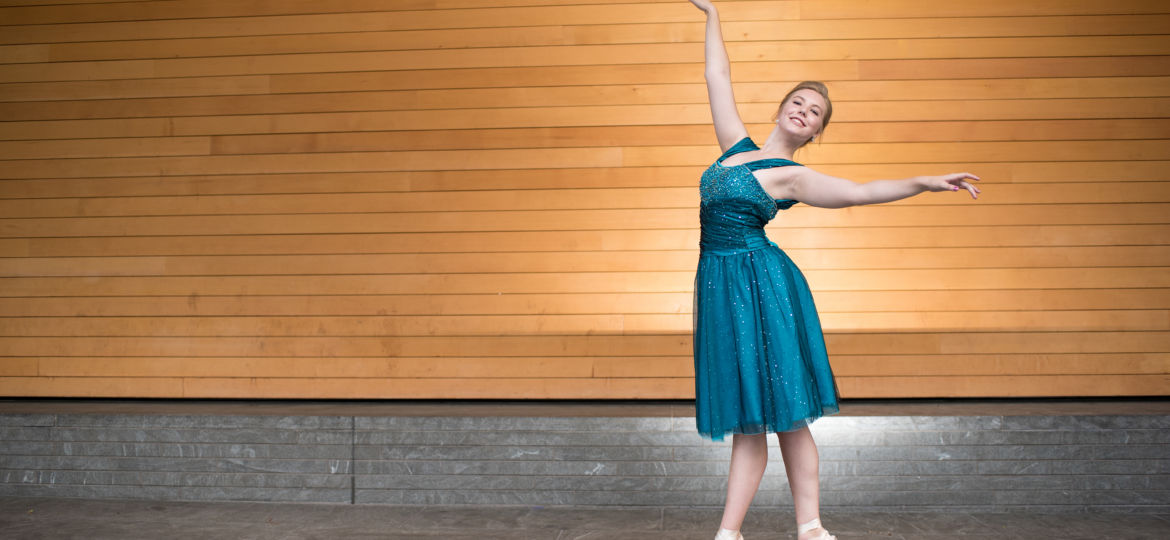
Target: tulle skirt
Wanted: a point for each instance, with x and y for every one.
(760, 360)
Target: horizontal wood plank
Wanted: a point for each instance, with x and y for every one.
(373, 40)
(888, 343)
(572, 367)
(641, 53)
(545, 76)
(611, 115)
(548, 324)
(585, 388)
(849, 302)
(532, 199)
(617, 240)
(580, 261)
(956, 214)
(580, 95)
(561, 178)
(606, 282)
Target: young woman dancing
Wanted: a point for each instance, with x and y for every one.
(760, 361)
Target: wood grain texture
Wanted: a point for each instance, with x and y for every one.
(474, 199)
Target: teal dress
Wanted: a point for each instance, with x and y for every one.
(760, 361)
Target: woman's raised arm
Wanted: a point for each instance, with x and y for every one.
(729, 128)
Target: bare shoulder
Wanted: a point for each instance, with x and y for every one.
(780, 182)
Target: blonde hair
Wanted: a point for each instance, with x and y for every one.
(815, 86)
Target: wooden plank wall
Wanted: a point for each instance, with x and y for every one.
(497, 199)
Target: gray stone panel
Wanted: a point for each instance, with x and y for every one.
(407, 451)
(151, 478)
(205, 435)
(1087, 423)
(204, 421)
(222, 450)
(511, 423)
(27, 420)
(24, 433)
(1098, 466)
(131, 463)
(512, 438)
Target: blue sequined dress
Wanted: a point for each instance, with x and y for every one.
(760, 361)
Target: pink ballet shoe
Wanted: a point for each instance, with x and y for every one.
(728, 534)
(814, 524)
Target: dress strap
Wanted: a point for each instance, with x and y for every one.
(769, 163)
(746, 144)
(743, 145)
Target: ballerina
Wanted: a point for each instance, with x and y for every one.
(760, 360)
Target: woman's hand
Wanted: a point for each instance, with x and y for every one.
(704, 5)
(952, 182)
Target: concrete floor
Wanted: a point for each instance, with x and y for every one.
(28, 518)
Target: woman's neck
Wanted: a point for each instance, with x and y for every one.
(779, 144)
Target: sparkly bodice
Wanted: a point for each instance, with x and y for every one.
(734, 206)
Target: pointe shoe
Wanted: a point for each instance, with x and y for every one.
(814, 524)
(728, 534)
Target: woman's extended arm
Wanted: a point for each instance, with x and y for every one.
(729, 128)
(816, 189)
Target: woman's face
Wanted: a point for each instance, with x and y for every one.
(803, 114)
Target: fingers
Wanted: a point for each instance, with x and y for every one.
(974, 191)
(955, 182)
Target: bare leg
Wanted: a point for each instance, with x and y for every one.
(749, 458)
(802, 464)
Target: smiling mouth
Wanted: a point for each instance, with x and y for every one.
(798, 121)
